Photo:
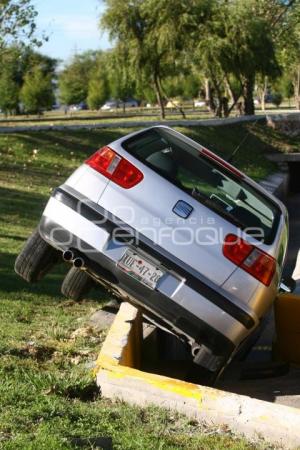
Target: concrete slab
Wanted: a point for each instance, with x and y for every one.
(283, 390)
(119, 377)
(101, 320)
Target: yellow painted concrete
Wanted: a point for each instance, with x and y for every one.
(287, 321)
(119, 377)
(120, 356)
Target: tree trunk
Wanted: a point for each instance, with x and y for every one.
(230, 92)
(216, 85)
(180, 109)
(297, 88)
(208, 97)
(234, 97)
(262, 101)
(263, 94)
(225, 107)
(159, 97)
(248, 96)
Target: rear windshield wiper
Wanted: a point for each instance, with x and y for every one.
(199, 195)
(207, 201)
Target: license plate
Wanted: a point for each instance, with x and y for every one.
(140, 269)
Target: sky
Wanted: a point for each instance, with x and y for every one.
(71, 25)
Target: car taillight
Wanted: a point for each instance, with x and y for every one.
(115, 167)
(249, 258)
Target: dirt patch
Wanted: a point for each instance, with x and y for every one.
(85, 392)
(288, 126)
(40, 353)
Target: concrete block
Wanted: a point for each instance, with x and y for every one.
(119, 377)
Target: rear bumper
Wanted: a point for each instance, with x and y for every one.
(183, 302)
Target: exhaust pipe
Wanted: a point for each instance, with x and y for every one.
(78, 263)
(68, 255)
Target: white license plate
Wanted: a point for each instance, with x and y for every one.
(136, 266)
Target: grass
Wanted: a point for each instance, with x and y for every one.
(48, 396)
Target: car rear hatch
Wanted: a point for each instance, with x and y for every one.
(183, 199)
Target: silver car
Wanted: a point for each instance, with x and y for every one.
(173, 229)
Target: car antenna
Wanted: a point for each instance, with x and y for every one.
(230, 159)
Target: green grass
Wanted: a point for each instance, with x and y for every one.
(47, 392)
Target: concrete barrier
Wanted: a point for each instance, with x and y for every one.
(119, 377)
(147, 123)
(277, 184)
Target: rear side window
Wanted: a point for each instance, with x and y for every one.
(207, 181)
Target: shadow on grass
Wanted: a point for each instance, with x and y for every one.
(11, 282)
(39, 353)
(49, 286)
(85, 141)
(21, 203)
(11, 236)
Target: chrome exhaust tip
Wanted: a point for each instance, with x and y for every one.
(78, 263)
(68, 255)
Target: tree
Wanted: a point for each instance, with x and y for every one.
(98, 89)
(17, 22)
(238, 44)
(74, 79)
(10, 80)
(9, 93)
(37, 91)
(121, 78)
(283, 17)
(152, 33)
(284, 85)
(287, 38)
(29, 58)
(233, 45)
(249, 51)
(15, 62)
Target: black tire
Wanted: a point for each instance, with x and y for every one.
(36, 258)
(76, 284)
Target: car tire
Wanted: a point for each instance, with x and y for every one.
(35, 259)
(77, 284)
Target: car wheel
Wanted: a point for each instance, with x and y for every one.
(76, 284)
(36, 258)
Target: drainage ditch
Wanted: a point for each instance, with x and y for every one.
(294, 172)
(164, 354)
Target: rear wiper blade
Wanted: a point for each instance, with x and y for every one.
(199, 195)
(207, 201)
(236, 221)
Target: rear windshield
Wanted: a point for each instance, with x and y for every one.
(208, 182)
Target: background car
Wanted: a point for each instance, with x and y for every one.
(131, 103)
(199, 103)
(109, 105)
(78, 107)
(114, 104)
